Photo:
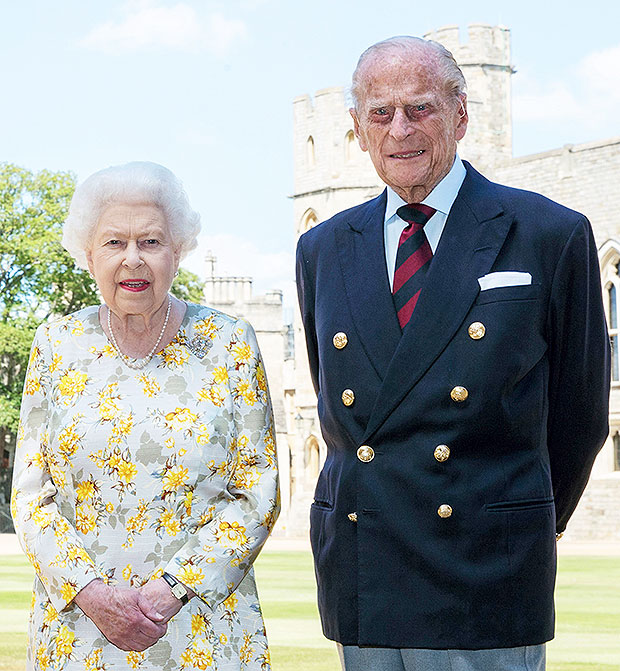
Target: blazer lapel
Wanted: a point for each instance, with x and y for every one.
(471, 240)
(360, 244)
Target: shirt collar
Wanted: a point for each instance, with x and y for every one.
(440, 198)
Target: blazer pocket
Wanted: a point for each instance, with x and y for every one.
(524, 292)
(521, 504)
(322, 505)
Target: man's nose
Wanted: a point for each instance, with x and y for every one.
(401, 125)
(133, 258)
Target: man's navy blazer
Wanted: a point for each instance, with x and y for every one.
(521, 445)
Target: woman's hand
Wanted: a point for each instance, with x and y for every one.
(123, 615)
(161, 598)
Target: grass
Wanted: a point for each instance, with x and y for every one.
(588, 605)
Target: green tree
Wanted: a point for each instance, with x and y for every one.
(188, 287)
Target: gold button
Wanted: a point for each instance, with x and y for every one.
(348, 397)
(459, 394)
(352, 517)
(340, 340)
(444, 511)
(476, 330)
(441, 453)
(365, 453)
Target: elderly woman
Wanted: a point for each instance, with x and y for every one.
(145, 477)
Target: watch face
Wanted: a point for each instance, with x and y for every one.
(179, 591)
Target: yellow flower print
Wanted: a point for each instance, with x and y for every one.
(109, 409)
(231, 535)
(187, 502)
(213, 395)
(261, 378)
(38, 460)
(42, 518)
(198, 625)
(68, 591)
(56, 361)
(246, 477)
(127, 572)
(244, 390)
(43, 658)
(191, 575)
(223, 639)
(33, 383)
(109, 506)
(68, 442)
(180, 419)
(150, 386)
(169, 443)
(127, 471)
(123, 425)
(65, 640)
(78, 328)
(93, 661)
(246, 651)
(137, 523)
(135, 658)
(51, 614)
(85, 518)
(198, 656)
(107, 350)
(203, 438)
(168, 522)
(207, 327)
(174, 478)
(175, 355)
(242, 353)
(85, 490)
(72, 383)
(220, 375)
(231, 603)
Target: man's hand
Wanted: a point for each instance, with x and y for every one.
(161, 598)
(123, 615)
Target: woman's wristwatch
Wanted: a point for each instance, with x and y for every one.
(176, 588)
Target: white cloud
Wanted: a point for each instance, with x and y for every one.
(147, 25)
(239, 257)
(588, 95)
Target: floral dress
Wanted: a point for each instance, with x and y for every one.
(123, 474)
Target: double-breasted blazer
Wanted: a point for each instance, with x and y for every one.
(440, 531)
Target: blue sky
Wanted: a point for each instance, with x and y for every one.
(206, 88)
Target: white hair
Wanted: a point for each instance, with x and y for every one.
(138, 182)
(401, 46)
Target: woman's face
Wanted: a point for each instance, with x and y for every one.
(133, 258)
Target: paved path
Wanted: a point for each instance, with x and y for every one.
(10, 546)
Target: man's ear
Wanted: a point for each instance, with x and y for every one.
(463, 119)
(356, 129)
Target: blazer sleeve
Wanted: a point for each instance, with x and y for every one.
(579, 371)
(48, 538)
(217, 556)
(305, 293)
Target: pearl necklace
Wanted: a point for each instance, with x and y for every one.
(137, 364)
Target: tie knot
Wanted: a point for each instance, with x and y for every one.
(415, 213)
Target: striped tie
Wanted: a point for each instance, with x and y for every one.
(412, 260)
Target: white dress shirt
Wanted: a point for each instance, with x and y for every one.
(440, 198)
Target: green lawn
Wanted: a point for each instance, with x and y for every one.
(588, 603)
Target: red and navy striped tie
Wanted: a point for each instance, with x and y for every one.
(412, 260)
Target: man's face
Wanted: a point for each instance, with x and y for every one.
(408, 122)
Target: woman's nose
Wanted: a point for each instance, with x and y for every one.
(133, 258)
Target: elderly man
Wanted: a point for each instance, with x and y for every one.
(458, 347)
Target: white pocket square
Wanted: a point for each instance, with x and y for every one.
(504, 278)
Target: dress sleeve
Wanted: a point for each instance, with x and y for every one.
(215, 559)
(47, 537)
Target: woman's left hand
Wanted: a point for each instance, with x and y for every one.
(159, 595)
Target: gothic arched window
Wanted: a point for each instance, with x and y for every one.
(310, 157)
(612, 307)
(349, 146)
(308, 220)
